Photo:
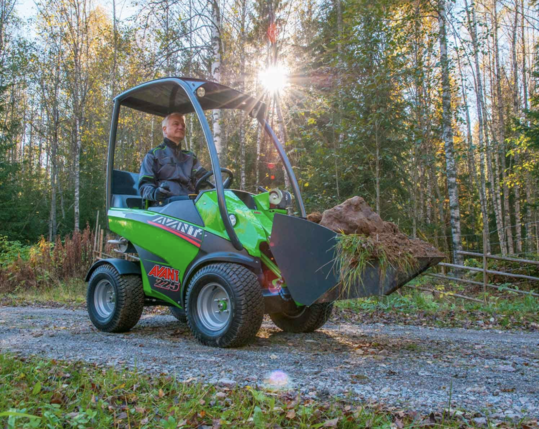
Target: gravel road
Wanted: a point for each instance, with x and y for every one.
(492, 372)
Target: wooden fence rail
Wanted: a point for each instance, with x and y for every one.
(482, 270)
(500, 258)
(486, 272)
(472, 282)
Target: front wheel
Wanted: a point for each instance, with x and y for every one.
(224, 305)
(304, 319)
(115, 302)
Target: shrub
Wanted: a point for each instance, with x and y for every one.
(44, 263)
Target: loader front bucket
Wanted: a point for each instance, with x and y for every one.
(305, 254)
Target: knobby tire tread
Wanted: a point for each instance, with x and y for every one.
(179, 314)
(249, 305)
(314, 318)
(129, 300)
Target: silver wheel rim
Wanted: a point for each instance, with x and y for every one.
(104, 299)
(213, 307)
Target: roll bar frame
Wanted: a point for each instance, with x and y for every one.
(190, 92)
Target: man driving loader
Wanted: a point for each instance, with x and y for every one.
(167, 171)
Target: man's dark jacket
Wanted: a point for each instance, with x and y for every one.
(167, 163)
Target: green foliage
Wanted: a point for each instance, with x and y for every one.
(412, 306)
(11, 251)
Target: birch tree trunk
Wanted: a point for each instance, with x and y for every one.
(54, 149)
(501, 133)
(338, 10)
(377, 173)
(115, 49)
(516, 108)
(243, 36)
(528, 227)
(494, 178)
(216, 73)
(471, 160)
(76, 171)
(447, 136)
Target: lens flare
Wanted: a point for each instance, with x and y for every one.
(277, 379)
(274, 78)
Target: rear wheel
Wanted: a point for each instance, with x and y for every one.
(179, 314)
(224, 305)
(115, 302)
(305, 319)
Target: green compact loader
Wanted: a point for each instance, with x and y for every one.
(221, 258)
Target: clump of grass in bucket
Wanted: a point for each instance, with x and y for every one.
(355, 252)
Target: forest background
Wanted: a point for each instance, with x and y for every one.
(426, 108)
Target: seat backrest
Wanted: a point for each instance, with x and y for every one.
(125, 190)
(124, 183)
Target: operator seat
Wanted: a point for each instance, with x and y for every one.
(124, 189)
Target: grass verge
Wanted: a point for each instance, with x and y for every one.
(46, 393)
(414, 307)
(70, 293)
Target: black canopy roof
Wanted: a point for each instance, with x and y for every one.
(163, 96)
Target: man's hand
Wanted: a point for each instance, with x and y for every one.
(162, 192)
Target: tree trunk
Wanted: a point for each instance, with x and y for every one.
(377, 171)
(528, 219)
(447, 136)
(76, 203)
(471, 164)
(216, 74)
(115, 48)
(243, 36)
(338, 143)
(54, 152)
(516, 108)
(527, 179)
(283, 136)
(501, 133)
(490, 137)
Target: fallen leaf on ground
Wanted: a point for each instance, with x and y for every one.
(331, 423)
(291, 414)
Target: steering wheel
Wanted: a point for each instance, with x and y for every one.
(204, 180)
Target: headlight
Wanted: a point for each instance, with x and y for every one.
(280, 199)
(233, 219)
(275, 196)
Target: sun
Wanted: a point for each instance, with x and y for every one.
(274, 78)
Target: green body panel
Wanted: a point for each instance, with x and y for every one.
(250, 229)
(177, 252)
(253, 228)
(262, 201)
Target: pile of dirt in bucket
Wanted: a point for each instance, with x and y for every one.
(354, 216)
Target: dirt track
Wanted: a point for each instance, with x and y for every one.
(494, 372)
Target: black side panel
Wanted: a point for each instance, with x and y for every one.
(122, 266)
(304, 252)
(161, 276)
(184, 210)
(246, 198)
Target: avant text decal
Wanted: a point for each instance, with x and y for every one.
(188, 232)
(166, 278)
